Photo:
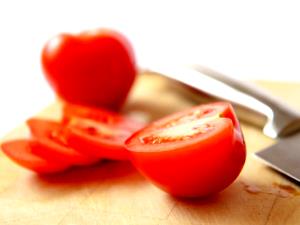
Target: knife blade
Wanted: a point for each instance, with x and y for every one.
(284, 156)
(254, 105)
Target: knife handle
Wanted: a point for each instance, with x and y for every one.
(253, 104)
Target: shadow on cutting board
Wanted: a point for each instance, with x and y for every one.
(76, 179)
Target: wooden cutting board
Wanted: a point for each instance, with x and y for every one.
(115, 193)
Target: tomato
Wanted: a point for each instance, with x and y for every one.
(95, 68)
(98, 132)
(44, 128)
(21, 152)
(98, 139)
(53, 145)
(193, 153)
(101, 115)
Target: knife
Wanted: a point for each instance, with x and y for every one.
(253, 105)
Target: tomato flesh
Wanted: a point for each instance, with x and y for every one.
(179, 131)
(21, 152)
(192, 153)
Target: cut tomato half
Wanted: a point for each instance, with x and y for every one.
(21, 152)
(53, 144)
(196, 152)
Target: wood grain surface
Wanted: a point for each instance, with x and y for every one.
(115, 193)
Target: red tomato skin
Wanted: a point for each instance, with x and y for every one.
(193, 171)
(20, 151)
(94, 68)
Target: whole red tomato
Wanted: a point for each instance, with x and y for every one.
(92, 68)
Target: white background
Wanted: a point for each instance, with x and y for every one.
(245, 39)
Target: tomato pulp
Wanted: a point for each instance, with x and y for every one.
(192, 153)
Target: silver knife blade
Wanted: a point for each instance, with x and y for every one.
(284, 156)
(278, 120)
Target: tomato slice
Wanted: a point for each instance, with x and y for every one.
(98, 132)
(44, 128)
(100, 115)
(98, 139)
(51, 136)
(193, 153)
(21, 152)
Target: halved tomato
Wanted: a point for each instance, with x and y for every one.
(53, 144)
(193, 153)
(21, 152)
